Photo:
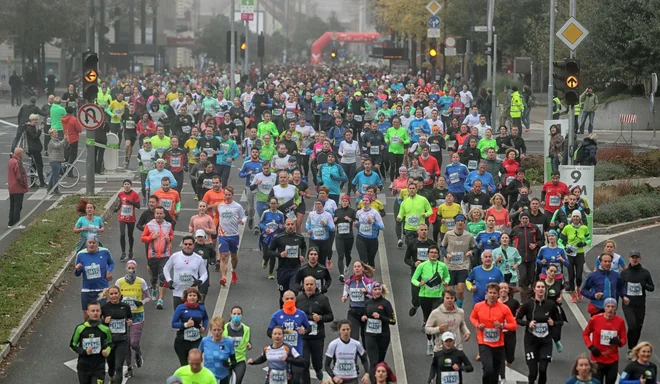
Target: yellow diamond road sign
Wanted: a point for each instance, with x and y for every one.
(433, 7)
(572, 33)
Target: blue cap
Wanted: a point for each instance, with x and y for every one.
(609, 301)
(459, 217)
(553, 232)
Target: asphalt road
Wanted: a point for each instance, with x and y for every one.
(43, 353)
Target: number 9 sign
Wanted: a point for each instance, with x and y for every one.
(579, 176)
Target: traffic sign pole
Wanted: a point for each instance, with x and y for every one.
(90, 163)
(551, 58)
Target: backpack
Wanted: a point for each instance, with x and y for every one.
(580, 154)
(531, 102)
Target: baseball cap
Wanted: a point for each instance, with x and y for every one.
(459, 217)
(634, 253)
(358, 93)
(200, 232)
(576, 213)
(370, 95)
(447, 336)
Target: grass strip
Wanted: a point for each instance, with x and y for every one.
(30, 263)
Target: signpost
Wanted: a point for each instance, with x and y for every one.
(581, 176)
(433, 31)
(572, 33)
(433, 7)
(247, 10)
(90, 116)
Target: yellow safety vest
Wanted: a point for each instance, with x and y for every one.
(576, 109)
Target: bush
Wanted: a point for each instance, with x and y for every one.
(610, 171)
(615, 88)
(533, 165)
(615, 153)
(638, 90)
(609, 193)
(629, 209)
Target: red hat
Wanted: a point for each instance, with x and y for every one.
(390, 375)
(346, 197)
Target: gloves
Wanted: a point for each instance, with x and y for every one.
(615, 341)
(170, 284)
(138, 303)
(594, 351)
(581, 244)
(196, 283)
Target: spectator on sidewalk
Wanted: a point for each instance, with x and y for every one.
(72, 129)
(15, 83)
(23, 117)
(18, 186)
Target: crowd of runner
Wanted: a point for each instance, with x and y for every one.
(320, 151)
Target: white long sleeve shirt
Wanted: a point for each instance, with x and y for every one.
(184, 270)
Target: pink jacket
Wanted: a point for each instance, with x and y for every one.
(16, 176)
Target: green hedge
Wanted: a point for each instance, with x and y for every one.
(628, 208)
(610, 171)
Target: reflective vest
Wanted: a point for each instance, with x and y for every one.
(556, 105)
(576, 109)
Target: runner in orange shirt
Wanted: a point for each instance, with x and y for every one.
(169, 199)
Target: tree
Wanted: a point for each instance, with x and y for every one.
(409, 18)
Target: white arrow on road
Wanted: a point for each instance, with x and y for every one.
(73, 364)
(514, 377)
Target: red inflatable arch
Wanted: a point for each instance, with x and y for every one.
(349, 37)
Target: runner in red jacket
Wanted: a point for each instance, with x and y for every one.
(604, 335)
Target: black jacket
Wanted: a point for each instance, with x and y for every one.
(33, 135)
(385, 314)
(632, 276)
(319, 272)
(279, 244)
(444, 360)
(119, 311)
(319, 304)
(590, 152)
(147, 216)
(27, 110)
(539, 311)
(413, 252)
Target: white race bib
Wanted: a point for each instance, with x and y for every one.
(491, 335)
(358, 118)
(472, 164)
(435, 148)
(395, 140)
(318, 232)
(313, 328)
(93, 271)
(541, 330)
(290, 115)
(175, 162)
(291, 251)
(356, 295)
(127, 210)
(457, 257)
(634, 289)
(450, 224)
(344, 368)
(422, 254)
(238, 122)
(555, 201)
(449, 377)
(130, 300)
(291, 339)
(166, 203)
(366, 229)
(291, 215)
(186, 279)
(473, 206)
(277, 376)
(117, 326)
(454, 178)
(92, 342)
(509, 179)
(48, 121)
(343, 228)
(374, 326)
(374, 150)
(191, 334)
(413, 220)
(130, 124)
(277, 112)
(606, 336)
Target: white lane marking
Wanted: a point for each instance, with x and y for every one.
(8, 123)
(397, 351)
(224, 292)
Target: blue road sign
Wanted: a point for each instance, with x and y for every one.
(433, 22)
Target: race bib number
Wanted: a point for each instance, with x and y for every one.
(606, 336)
(356, 295)
(291, 339)
(395, 140)
(166, 203)
(272, 226)
(291, 251)
(358, 118)
(290, 115)
(186, 129)
(422, 254)
(472, 164)
(209, 151)
(343, 228)
(186, 279)
(175, 161)
(130, 300)
(366, 229)
(541, 330)
(191, 334)
(238, 122)
(291, 215)
(450, 224)
(318, 232)
(48, 121)
(93, 228)
(435, 148)
(92, 342)
(344, 368)
(226, 215)
(473, 206)
(277, 376)
(277, 112)
(509, 179)
(265, 187)
(349, 156)
(374, 150)
(130, 124)
(449, 377)
(454, 178)
(117, 326)
(413, 220)
(491, 335)
(224, 147)
(457, 257)
(634, 289)
(374, 326)
(236, 341)
(417, 130)
(207, 183)
(127, 210)
(93, 271)
(313, 328)
(555, 201)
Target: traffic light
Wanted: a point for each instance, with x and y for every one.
(90, 68)
(567, 79)
(333, 55)
(243, 46)
(261, 45)
(433, 51)
(229, 44)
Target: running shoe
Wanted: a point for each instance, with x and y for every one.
(223, 281)
(342, 279)
(217, 267)
(560, 347)
(412, 311)
(130, 255)
(319, 375)
(250, 223)
(256, 231)
(196, 198)
(139, 360)
(129, 373)
(579, 295)
(429, 348)
(234, 278)
(329, 264)
(159, 305)
(573, 299)
(154, 294)
(123, 256)
(264, 264)
(271, 277)
(400, 243)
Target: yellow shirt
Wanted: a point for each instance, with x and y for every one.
(132, 292)
(376, 204)
(117, 108)
(191, 145)
(172, 96)
(448, 212)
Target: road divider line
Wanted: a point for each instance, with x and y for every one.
(224, 291)
(397, 351)
(8, 123)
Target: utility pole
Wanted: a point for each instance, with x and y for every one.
(491, 5)
(551, 56)
(245, 60)
(571, 118)
(493, 121)
(286, 29)
(91, 150)
(232, 52)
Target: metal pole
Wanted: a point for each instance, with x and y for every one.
(444, 57)
(232, 52)
(245, 60)
(571, 11)
(286, 23)
(90, 162)
(491, 5)
(571, 111)
(551, 56)
(493, 121)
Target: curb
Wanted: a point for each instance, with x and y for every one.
(32, 312)
(616, 228)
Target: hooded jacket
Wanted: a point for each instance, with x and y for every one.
(72, 128)
(455, 320)
(609, 283)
